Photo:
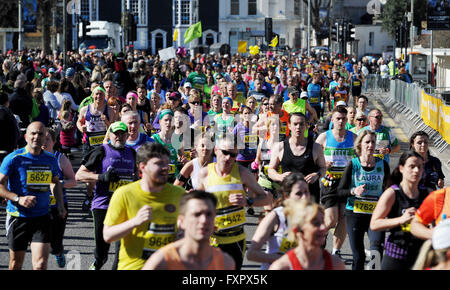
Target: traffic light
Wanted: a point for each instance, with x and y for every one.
(268, 30)
(83, 26)
(335, 32)
(351, 32)
(132, 28)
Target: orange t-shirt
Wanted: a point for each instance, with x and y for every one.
(174, 262)
(284, 120)
(435, 205)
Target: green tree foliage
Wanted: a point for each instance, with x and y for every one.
(9, 13)
(395, 10)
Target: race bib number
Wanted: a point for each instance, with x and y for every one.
(199, 87)
(356, 83)
(172, 168)
(286, 245)
(252, 140)
(314, 100)
(266, 170)
(158, 236)
(96, 140)
(406, 227)
(39, 178)
(113, 186)
(187, 154)
(230, 220)
(364, 206)
(283, 130)
(381, 156)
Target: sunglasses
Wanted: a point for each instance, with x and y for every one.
(265, 104)
(173, 99)
(377, 117)
(232, 154)
(195, 103)
(362, 119)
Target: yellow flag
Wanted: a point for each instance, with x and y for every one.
(274, 41)
(175, 34)
(254, 49)
(242, 46)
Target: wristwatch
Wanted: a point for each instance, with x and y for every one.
(16, 200)
(250, 201)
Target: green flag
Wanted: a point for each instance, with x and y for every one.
(194, 31)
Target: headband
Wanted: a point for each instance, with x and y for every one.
(228, 98)
(165, 112)
(98, 88)
(132, 94)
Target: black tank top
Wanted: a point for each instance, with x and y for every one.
(401, 235)
(304, 163)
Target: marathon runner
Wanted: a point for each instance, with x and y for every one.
(193, 251)
(337, 145)
(26, 176)
(143, 214)
(93, 121)
(226, 179)
(109, 166)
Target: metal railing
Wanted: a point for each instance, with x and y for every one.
(406, 99)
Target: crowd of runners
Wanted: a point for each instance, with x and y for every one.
(176, 154)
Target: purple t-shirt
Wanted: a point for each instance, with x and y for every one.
(247, 143)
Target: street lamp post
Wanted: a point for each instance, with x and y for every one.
(309, 28)
(20, 44)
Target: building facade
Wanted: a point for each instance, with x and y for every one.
(245, 20)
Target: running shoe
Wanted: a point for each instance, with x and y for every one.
(338, 254)
(94, 266)
(60, 260)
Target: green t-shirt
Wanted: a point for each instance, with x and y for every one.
(198, 81)
(298, 107)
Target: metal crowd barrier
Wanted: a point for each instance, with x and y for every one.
(406, 99)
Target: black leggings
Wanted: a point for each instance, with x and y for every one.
(236, 250)
(357, 226)
(58, 228)
(101, 247)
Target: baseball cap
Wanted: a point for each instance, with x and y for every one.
(341, 103)
(304, 95)
(187, 85)
(293, 90)
(51, 70)
(441, 235)
(70, 72)
(118, 126)
(175, 95)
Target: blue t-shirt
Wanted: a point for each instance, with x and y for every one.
(141, 140)
(30, 175)
(314, 94)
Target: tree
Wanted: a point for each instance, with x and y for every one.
(315, 15)
(9, 13)
(394, 11)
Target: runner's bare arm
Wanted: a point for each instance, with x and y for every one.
(85, 175)
(275, 160)
(260, 196)
(156, 262)
(81, 120)
(112, 233)
(262, 234)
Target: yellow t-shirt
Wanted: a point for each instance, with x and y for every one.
(230, 219)
(149, 237)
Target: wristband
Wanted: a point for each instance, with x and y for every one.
(181, 178)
